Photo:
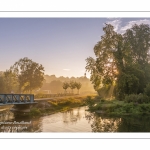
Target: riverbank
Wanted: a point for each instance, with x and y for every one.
(5, 108)
(115, 107)
(58, 104)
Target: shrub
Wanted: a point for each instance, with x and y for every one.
(145, 107)
(128, 108)
(98, 106)
(89, 101)
(35, 112)
(137, 98)
(147, 90)
(103, 100)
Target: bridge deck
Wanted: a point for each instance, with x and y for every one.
(1, 104)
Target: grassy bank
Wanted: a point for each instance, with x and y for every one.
(58, 105)
(115, 107)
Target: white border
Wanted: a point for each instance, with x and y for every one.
(74, 14)
(75, 135)
(74, 5)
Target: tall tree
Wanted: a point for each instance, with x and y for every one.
(72, 85)
(11, 82)
(29, 73)
(65, 86)
(78, 86)
(122, 60)
(2, 85)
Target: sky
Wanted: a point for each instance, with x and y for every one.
(61, 45)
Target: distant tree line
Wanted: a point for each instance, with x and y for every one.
(54, 84)
(72, 85)
(27, 76)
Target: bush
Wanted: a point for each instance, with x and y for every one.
(128, 108)
(35, 112)
(137, 98)
(147, 90)
(89, 101)
(145, 108)
(97, 99)
(98, 106)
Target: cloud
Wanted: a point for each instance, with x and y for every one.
(116, 24)
(131, 23)
(121, 29)
(66, 69)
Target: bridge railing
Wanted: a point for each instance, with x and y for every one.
(16, 98)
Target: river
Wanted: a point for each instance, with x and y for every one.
(76, 120)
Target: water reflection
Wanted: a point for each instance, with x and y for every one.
(10, 122)
(135, 124)
(70, 121)
(103, 124)
(119, 124)
(72, 116)
(6, 115)
(76, 120)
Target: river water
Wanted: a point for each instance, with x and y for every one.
(76, 120)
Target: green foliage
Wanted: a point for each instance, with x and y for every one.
(134, 105)
(78, 86)
(30, 75)
(106, 91)
(35, 112)
(147, 90)
(2, 85)
(72, 85)
(122, 61)
(87, 86)
(67, 102)
(124, 109)
(65, 86)
(89, 102)
(138, 99)
(10, 82)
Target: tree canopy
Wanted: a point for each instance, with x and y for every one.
(122, 61)
(30, 75)
(65, 86)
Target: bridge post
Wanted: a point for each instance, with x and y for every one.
(31, 98)
(4, 101)
(12, 98)
(25, 100)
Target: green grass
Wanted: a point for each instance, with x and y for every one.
(59, 105)
(65, 104)
(35, 112)
(115, 107)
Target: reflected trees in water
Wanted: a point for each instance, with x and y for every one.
(102, 124)
(72, 116)
(119, 124)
